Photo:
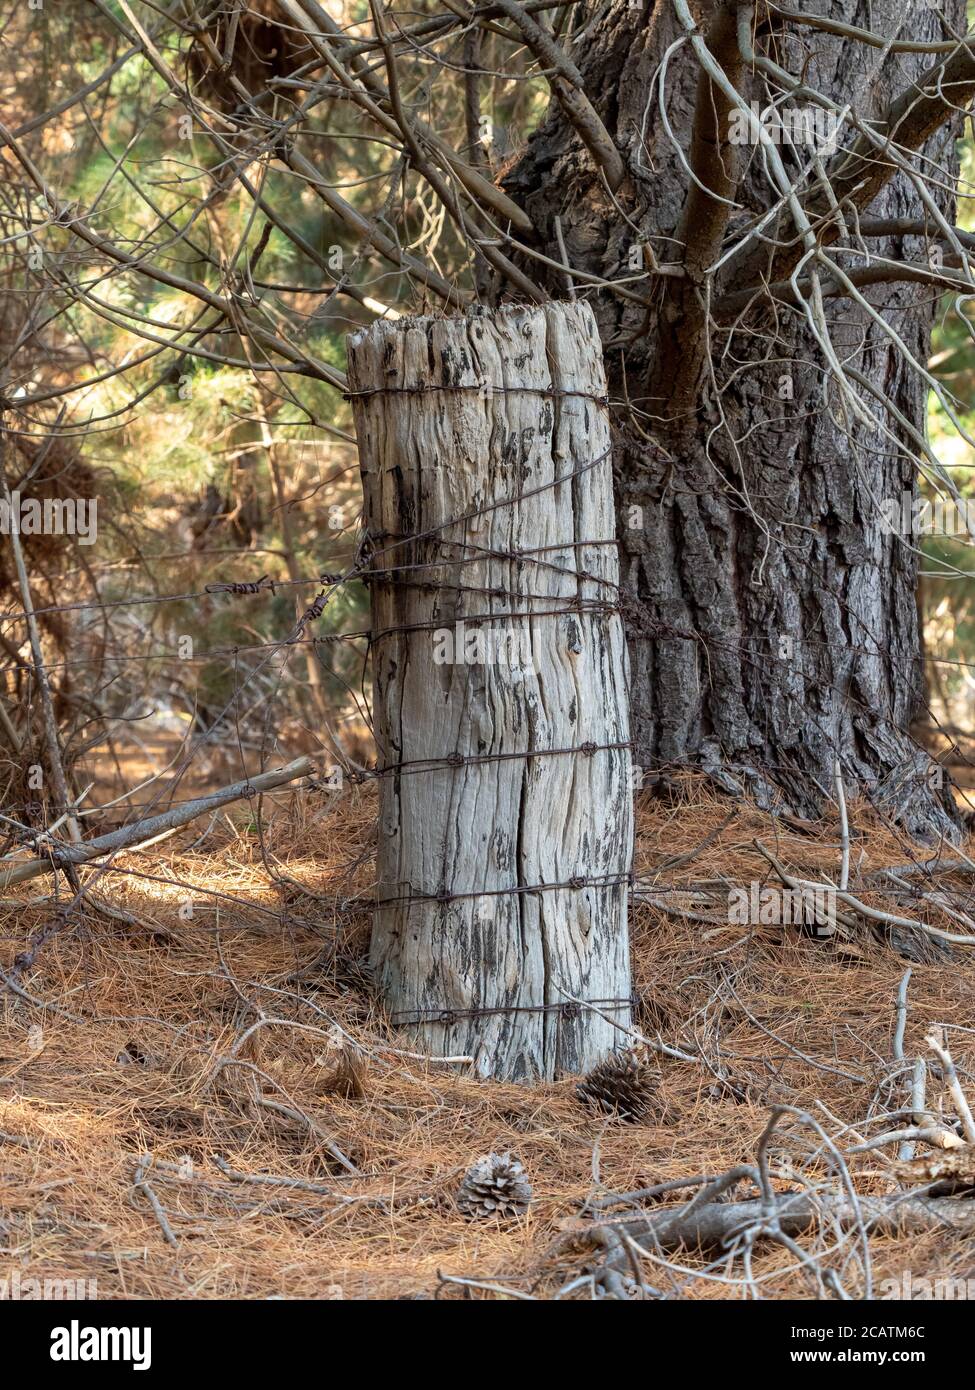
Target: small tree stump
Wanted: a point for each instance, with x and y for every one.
(499, 685)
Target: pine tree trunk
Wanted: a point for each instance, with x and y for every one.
(772, 623)
(500, 701)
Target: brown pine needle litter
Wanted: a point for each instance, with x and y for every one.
(204, 1100)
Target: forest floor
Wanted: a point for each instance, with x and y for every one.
(158, 1074)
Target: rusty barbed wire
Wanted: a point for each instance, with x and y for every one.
(568, 1011)
(255, 586)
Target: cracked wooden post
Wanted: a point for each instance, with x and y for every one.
(499, 686)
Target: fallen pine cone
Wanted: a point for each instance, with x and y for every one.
(495, 1185)
(624, 1085)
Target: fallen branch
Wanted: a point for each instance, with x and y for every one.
(140, 1183)
(936, 1044)
(890, 919)
(715, 1223)
(297, 1185)
(132, 836)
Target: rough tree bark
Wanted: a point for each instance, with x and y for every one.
(499, 667)
(773, 622)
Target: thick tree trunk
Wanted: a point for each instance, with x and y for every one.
(499, 685)
(772, 624)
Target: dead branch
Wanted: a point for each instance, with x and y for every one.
(716, 1223)
(130, 836)
(568, 86)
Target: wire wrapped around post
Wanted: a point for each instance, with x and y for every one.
(499, 686)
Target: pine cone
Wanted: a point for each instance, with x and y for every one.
(494, 1186)
(624, 1085)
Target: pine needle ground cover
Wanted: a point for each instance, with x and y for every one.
(205, 1100)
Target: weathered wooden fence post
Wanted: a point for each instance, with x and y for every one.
(499, 685)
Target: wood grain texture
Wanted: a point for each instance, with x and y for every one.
(520, 598)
